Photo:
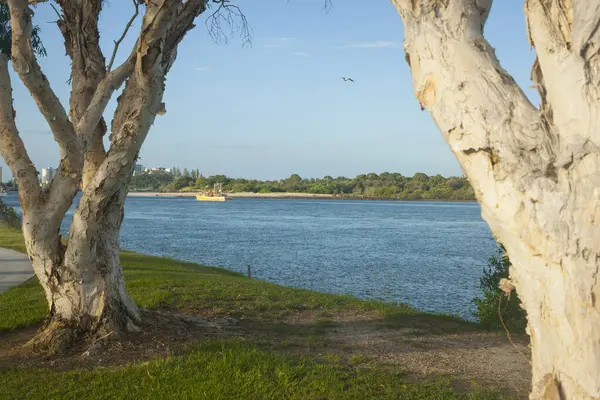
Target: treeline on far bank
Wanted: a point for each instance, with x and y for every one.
(383, 186)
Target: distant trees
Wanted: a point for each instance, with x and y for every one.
(182, 181)
(150, 182)
(384, 186)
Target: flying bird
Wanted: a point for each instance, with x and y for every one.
(347, 79)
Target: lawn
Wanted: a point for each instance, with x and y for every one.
(266, 358)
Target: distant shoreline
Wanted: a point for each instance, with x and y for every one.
(279, 195)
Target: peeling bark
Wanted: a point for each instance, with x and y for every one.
(535, 172)
(79, 26)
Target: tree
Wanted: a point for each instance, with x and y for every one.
(82, 279)
(535, 171)
(182, 182)
(201, 181)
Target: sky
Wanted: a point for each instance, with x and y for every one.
(279, 106)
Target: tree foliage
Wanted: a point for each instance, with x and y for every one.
(6, 34)
(513, 315)
(383, 186)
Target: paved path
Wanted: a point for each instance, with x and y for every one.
(15, 269)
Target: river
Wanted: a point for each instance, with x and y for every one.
(427, 254)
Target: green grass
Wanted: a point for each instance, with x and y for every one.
(224, 369)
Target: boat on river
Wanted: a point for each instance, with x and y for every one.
(209, 196)
(213, 195)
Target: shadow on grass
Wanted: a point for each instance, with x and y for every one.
(433, 324)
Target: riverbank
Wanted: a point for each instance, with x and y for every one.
(264, 341)
(280, 195)
(238, 195)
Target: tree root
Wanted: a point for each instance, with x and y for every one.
(54, 337)
(59, 337)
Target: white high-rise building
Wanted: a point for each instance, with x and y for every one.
(47, 175)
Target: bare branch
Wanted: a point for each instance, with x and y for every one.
(79, 27)
(566, 36)
(231, 16)
(12, 147)
(118, 42)
(28, 69)
(58, 14)
(184, 21)
(140, 101)
(111, 82)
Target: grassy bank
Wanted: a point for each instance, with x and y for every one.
(287, 344)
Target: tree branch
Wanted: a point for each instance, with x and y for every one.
(491, 126)
(118, 42)
(79, 27)
(566, 36)
(184, 22)
(231, 16)
(12, 147)
(26, 66)
(111, 82)
(137, 105)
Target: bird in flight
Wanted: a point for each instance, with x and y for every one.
(347, 79)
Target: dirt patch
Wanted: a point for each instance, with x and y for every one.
(419, 348)
(162, 335)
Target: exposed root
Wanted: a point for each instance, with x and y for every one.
(57, 337)
(65, 339)
(53, 338)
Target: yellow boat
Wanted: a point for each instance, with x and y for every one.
(204, 197)
(213, 195)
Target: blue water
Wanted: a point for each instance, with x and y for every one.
(427, 254)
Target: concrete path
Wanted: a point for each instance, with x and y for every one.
(15, 269)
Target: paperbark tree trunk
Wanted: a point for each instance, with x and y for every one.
(84, 286)
(536, 172)
(83, 278)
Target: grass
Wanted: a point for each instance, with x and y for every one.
(226, 368)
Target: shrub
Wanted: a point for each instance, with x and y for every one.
(9, 217)
(513, 315)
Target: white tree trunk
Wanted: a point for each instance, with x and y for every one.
(83, 279)
(84, 286)
(536, 173)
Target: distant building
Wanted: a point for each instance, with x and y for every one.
(47, 175)
(138, 169)
(158, 170)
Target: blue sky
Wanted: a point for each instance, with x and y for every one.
(279, 107)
